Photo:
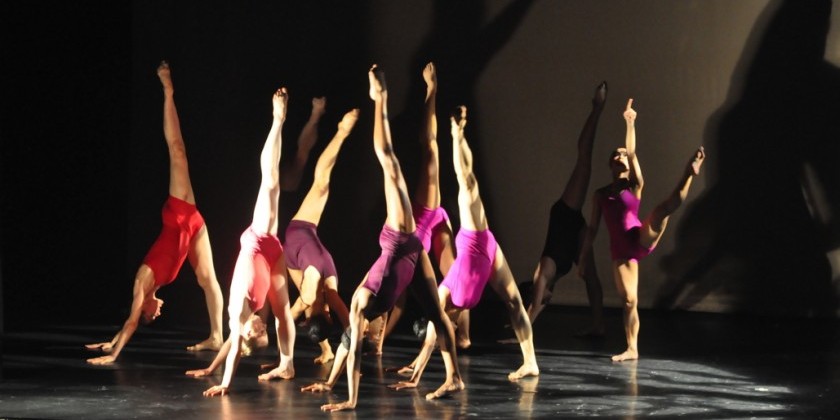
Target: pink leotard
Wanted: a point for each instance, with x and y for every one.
(304, 248)
(428, 222)
(181, 222)
(472, 267)
(260, 251)
(393, 270)
(621, 215)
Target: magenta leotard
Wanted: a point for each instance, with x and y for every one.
(181, 222)
(428, 222)
(621, 215)
(472, 267)
(393, 270)
(261, 251)
(303, 249)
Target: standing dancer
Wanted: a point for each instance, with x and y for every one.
(183, 235)
(630, 238)
(310, 264)
(480, 261)
(260, 271)
(566, 229)
(392, 272)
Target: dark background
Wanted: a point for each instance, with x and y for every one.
(84, 163)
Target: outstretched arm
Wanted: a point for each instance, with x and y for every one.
(220, 357)
(335, 372)
(239, 305)
(130, 325)
(421, 361)
(630, 145)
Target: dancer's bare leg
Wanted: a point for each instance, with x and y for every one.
(201, 259)
(626, 274)
(654, 225)
(596, 297)
(293, 172)
(278, 298)
(471, 210)
(200, 254)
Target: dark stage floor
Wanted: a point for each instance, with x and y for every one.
(692, 366)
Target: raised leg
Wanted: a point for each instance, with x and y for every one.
(179, 175)
(293, 173)
(574, 195)
(266, 207)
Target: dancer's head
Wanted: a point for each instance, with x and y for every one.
(151, 309)
(319, 327)
(255, 334)
(619, 162)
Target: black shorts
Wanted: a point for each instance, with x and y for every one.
(562, 242)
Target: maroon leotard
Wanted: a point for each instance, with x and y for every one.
(303, 248)
(393, 270)
(428, 222)
(181, 222)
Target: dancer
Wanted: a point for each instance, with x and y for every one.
(184, 235)
(630, 238)
(392, 272)
(433, 226)
(309, 263)
(480, 261)
(260, 272)
(566, 229)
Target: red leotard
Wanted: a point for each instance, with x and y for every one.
(181, 222)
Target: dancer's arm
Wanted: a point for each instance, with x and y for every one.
(335, 372)
(237, 305)
(220, 357)
(128, 328)
(421, 361)
(630, 145)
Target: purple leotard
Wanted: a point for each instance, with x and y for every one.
(303, 248)
(393, 270)
(258, 254)
(621, 215)
(472, 267)
(429, 221)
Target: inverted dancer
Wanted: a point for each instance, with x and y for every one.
(260, 272)
(566, 230)
(392, 272)
(433, 226)
(480, 261)
(309, 263)
(183, 235)
(630, 238)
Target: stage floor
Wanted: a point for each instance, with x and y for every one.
(692, 366)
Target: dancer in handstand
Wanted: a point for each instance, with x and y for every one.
(479, 261)
(632, 239)
(392, 272)
(260, 271)
(310, 264)
(566, 229)
(184, 235)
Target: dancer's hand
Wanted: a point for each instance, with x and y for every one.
(630, 113)
(346, 405)
(102, 360)
(403, 385)
(199, 373)
(216, 390)
(317, 387)
(106, 346)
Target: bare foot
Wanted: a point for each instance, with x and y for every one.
(319, 106)
(600, 97)
(524, 371)
(278, 373)
(165, 76)
(349, 121)
(697, 161)
(448, 388)
(279, 101)
(324, 358)
(627, 355)
(430, 77)
(377, 83)
(208, 344)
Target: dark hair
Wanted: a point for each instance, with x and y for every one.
(320, 326)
